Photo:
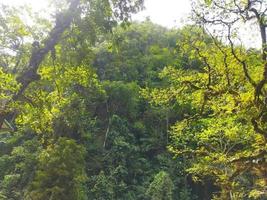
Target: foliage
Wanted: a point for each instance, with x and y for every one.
(60, 173)
(161, 187)
(223, 131)
(96, 108)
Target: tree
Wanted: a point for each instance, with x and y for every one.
(161, 187)
(51, 100)
(253, 13)
(223, 134)
(60, 174)
(122, 10)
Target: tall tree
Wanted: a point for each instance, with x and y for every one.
(224, 132)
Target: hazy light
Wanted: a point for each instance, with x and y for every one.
(170, 13)
(35, 4)
(164, 12)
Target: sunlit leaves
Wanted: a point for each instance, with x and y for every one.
(8, 87)
(218, 129)
(60, 91)
(208, 2)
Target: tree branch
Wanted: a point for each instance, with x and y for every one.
(63, 21)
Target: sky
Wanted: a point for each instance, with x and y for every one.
(169, 13)
(36, 4)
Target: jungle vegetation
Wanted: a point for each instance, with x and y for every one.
(94, 106)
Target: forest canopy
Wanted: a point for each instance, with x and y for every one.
(96, 106)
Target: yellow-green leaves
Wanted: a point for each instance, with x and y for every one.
(8, 87)
(216, 130)
(62, 92)
(208, 2)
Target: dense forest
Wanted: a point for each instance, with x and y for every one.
(94, 106)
